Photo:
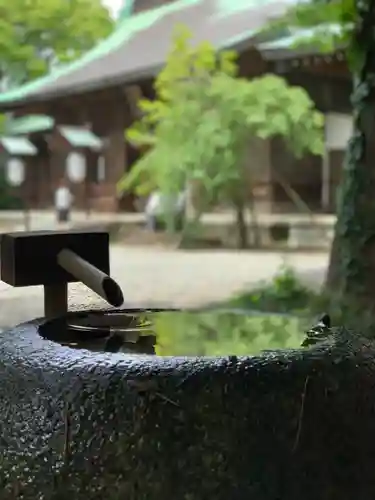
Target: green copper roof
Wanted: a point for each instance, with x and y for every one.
(29, 124)
(124, 32)
(18, 146)
(227, 7)
(126, 10)
(138, 46)
(80, 137)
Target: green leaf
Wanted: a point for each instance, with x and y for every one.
(32, 33)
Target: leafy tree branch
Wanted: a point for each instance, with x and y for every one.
(199, 129)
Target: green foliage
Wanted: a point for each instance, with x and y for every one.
(215, 333)
(198, 129)
(318, 14)
(34, 33)
(285, 293)
(277, 109)
(321, 24)
(2, 123)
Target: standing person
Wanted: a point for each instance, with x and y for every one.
(63, 202)
(153, 210)
(159, 205)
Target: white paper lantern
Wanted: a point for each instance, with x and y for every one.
(76, 167)
(15, 171)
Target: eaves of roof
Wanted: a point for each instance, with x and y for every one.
(138, 47)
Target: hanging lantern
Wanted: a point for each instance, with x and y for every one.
(76, 167)
(15, 171)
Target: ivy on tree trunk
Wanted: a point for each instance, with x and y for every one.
(352, 263)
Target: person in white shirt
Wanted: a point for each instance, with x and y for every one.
(63, 202)
(158, 205)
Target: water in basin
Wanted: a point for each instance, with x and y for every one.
(172, 332)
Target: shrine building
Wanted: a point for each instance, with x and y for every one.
(72, 121)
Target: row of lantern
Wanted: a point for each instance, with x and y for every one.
(75, 169)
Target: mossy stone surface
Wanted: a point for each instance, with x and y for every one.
(283, 426)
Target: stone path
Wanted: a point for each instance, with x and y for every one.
(159, 276)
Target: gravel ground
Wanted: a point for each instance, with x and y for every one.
(152, 276)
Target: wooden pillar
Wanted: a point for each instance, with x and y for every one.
(64, 114)
(260, 173)
(116, 158)
(108, 114)
(43, 195)
(326, 181)
(115, 154)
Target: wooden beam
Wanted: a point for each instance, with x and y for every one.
(332, 65)
(133, 93)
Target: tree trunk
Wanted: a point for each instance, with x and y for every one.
(196, 206)
(255, 229)
(333, 276)
(243, 240)
(351, 271)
